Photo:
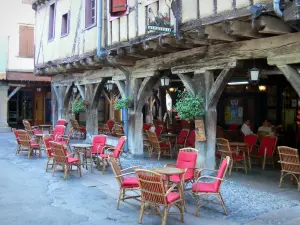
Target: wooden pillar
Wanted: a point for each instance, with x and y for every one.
(3, 108)
(63, 98)
(54, 106)
(292, 75)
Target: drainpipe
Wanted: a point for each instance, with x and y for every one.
(277, 10)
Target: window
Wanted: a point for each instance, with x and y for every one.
(27, 1)
(90, 13)
(51, 22)
(65, 25)
(26, 41)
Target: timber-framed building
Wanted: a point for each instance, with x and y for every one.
(204, 43)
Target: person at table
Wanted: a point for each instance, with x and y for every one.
(245, 129)
(266, 127)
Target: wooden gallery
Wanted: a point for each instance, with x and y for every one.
(241, 56)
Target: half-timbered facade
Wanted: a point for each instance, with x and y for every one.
(135, 42)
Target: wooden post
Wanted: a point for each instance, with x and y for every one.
(54, 107)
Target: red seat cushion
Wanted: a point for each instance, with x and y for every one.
(237, 157)
(34, 145)
(82, 129)
(174, 178)
(218, 154)
(37, 132)
(130, 182)
(172, 197)
(72, 160)
(97, 150)
(204, 187)
(164, 145)
(62, 142)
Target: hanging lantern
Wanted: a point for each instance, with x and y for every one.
(254, 75)
(109, 85)
(165, 81)
(75, 89)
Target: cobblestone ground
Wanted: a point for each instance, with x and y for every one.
(29, 195)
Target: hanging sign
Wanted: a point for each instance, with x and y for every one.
(200, 130)
(159, 22)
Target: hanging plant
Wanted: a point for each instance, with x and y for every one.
(78, 106)
(189, 106)
(123, 103)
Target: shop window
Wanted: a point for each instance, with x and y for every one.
(65, 25)
(51, 32)
(26, 41)
(90, 13)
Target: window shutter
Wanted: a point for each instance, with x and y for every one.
(88, 13)
(26, 41)
(30, 41)
(22, 41)
(118, 6)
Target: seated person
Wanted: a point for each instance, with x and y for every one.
(245, 129)
(266, 127)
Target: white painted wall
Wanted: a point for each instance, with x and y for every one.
(12, 14)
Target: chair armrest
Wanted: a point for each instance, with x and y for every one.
(125, 174)
(210, 177)
(129, 168)
(170, 165)
(171, 189)
(199, 171)
(109, 150)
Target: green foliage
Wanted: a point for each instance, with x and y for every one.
(123, 103)
(78, 106)
(189, 106)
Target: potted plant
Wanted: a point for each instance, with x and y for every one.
(191, 107)
(123, 104)
(78, 106)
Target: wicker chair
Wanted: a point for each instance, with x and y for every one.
(290, 163)
(119, 131)
(190, 141)
(58, 132)
(154, 194)
(32, 130)
(237, 161)
(18, 140)
(200, 189)
(28, 144)
(63, 159)
(266, 150)
(106, 128)
(186, 160)
(181, 138)
(124, 180)
(116, 153)
(78, 131)
(48, 150)
(160, 146)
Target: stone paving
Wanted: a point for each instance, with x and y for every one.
(29, 195)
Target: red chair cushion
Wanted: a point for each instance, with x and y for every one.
(72, 160)
(187, 160)
(237, 157)
(119, 147)
(172, 197)
(82, 129)
(204, 187)
(267, 143)
(34, 145)
(130, 182)
(62, 142)
(218, 154)
(174, 178)
(37, 132)
(191, 139)
(164, 145)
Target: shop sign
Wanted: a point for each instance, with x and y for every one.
(160, 22)
(200, 130)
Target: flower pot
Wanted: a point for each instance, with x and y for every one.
(200, 130)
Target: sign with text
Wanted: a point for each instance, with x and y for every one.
(159, 22)
(200, 130)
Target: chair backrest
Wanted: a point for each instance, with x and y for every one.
(99, 142)
(147, 126)
(119, 130)
(153, 139)
(224, 147)
(222, 172)
(116, 169)
(152, 187)
(190, 141)
(59, 130)
(158, 129)
(62, 122)
(187, 158)
(16, 135)
(233, 127)
(27, 127)
(268, 143)
(289, 159)
(110, 124)
(120, 146)
(250, 140)
(181, 137)
(47, 140)
(69, 135)
(59, 152)
(75, 124)
(24, 138)
(262, 134)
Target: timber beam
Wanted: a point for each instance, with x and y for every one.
(293, 58)
(215, 32)
(272, 25)
(241, 29)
